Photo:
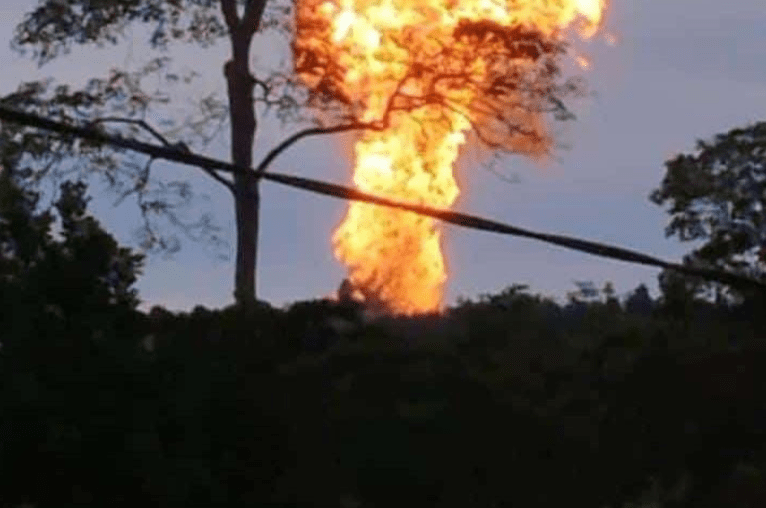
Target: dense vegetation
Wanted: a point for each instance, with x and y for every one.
(511, 400)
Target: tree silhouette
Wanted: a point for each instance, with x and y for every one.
(717, 195)
(639, 301)
(67, 349)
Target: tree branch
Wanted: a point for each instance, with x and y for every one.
(180, 146)
(226, 183)
(140, 184)
(140, 123)
(251, 20)
(312, 131)
(230, 16)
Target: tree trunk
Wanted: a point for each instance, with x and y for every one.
(246, 196)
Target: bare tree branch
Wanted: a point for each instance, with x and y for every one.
(230, 16)
(251, 20)
(181, 146)
(312, 131)
(229, 185)
(140, 123)
(140, 184)
(508, 179)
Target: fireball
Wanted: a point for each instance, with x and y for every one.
(426, 73)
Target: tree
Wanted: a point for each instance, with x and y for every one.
(54, 26)
(521, 59)
(639, 301)
(68, 349)
(73, 268)
(717, 196)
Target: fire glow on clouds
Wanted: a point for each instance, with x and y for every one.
(429, 71)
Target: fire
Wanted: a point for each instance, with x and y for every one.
(428, 72)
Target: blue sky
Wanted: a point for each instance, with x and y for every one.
(682, 70)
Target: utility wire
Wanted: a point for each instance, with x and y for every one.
(347, 193)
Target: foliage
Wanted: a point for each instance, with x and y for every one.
(717, 196)
(316, 405)
(68, 357)
(509, 400)
(84, 259)
(37, 157)
(639, 302)
(238, 407)
(514, 58)
(53, 26)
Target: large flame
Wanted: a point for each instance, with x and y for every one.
(427, 72)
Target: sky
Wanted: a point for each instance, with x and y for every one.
(681, 70)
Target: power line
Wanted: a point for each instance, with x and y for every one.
(342, 192)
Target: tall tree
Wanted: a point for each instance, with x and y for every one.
(55, 26)
(717, 196)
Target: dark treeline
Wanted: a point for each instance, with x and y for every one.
(510, 400)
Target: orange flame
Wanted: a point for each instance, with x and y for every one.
(427, 72)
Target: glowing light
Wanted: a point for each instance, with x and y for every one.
(426, 67)
(583, 62)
